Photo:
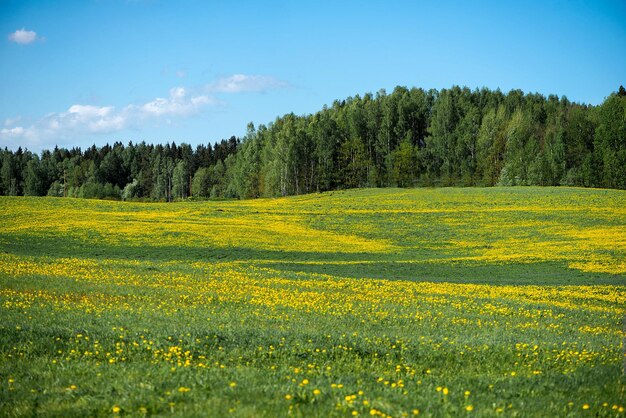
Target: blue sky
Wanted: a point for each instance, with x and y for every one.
(74, 73)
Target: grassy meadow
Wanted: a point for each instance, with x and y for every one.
(375, 302)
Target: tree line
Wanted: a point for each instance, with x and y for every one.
(410, 137)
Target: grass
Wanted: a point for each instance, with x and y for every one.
(378, 302)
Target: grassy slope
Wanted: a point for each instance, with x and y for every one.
(268, 293)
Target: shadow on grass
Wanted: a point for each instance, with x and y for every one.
(354, 265)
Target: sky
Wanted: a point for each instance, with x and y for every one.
(77, 73)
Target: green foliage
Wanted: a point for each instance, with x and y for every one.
(491, 145)
(404, 164)
(353, 163)
(410, 137)
(56, 189)
(201, 183)
(247, 169)
(180, 180)
(130, 190)
(610, 141)
(34, 178)
(520, 150)
(9, 175)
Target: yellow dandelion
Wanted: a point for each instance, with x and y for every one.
(116, 409)
(232, 384)
(586, 406)
(445, 391)
(316, 391)
(469, 408)
(288, 397)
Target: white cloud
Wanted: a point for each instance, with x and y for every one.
(12, 121)
(89, 111)
(12, 132)
(24, 37)
(81, 120)
(178, 104)
(237, 83)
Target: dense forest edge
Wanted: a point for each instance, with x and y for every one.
(411, 137)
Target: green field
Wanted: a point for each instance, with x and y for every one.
(376, 302)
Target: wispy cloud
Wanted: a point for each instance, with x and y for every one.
(86, 119)
(80, 119)
(179, 103)
(237, 83)
(24, 37)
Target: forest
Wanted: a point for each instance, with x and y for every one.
(407, 138)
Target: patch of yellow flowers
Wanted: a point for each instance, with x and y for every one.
(581, 228)
(203, 282)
